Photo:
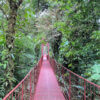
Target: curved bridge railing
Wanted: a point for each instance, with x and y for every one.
(74, 86)
(26, 88)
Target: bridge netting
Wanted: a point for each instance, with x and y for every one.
(49, 80)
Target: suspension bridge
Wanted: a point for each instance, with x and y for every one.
(49, 80)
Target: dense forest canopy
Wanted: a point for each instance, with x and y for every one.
(72, 27)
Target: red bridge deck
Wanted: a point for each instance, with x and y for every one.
(47, 87)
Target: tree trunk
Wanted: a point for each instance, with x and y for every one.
(10, 42)
(38, 4)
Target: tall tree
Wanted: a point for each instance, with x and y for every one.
(14, 6)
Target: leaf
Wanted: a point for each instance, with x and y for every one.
(70, 65)
(4, 66)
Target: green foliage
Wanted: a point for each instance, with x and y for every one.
(39, 5)
(27, 44)
(79, 26)
(93, 73)
(72, 28)
(27, 50)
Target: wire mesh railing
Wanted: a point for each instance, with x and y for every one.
(75, 87)
(26, 88)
